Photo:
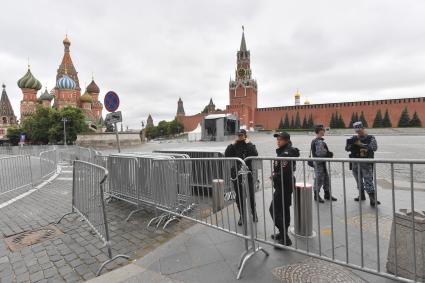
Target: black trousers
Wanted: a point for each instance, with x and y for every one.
(237, 186)
(280, 206)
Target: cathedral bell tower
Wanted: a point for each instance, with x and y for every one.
(243, 90)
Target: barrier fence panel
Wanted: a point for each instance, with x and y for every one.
(195, 188)
(384, 239)
(48, 162)
(88, 201)
(15, 173)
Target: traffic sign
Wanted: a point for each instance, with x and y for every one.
(111, 101)
(114, 117)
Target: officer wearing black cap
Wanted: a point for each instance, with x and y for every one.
(283, 183)
(319, 148)
(242, 148)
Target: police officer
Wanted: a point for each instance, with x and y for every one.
(242, 148)
(283, 183)
(363, 145)
(319, 148)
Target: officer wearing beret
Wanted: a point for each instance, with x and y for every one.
(283, 183)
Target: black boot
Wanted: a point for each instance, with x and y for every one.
(240, 221)
(362, 196)
(317, 197)
(329, 197)
(372, 199)
(283, 239)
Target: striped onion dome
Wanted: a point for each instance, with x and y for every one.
(65, 83)
(29, 81)
(86, 97)
(46, 96)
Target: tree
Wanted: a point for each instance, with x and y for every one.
(332, 122)
(363, 120)
(415, 121)
(404, 119)
(286, 124)
(310, 122)
(46, 125)
(386, 122)
(354, 118)
(305, 122)
(164, 128)
(281, 126)
(292, 126)
(378, 122)
(341, 123)
(14, 135)
(297, 121)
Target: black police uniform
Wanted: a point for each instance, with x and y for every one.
(283, 171)
(242, 150)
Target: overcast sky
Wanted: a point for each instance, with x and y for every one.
(153, 52)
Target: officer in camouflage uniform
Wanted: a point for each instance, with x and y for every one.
(319, 148)
(363, 145)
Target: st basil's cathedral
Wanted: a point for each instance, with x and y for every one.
(66, 93)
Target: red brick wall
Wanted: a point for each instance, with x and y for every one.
(270, 117)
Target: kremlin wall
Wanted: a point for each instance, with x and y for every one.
(243, 103)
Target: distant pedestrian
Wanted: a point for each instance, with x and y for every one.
(363, 145)
(242, 148)
(283, 184)
(318, 149)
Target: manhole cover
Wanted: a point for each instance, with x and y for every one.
(315, 271)
(29, 238)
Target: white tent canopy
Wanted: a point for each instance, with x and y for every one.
(196, 134)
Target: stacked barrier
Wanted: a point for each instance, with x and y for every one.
(88, 202)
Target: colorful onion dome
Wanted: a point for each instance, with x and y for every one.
(46, 96)
(92, 87)
(65, 83)
(29, 81)
(86, 97)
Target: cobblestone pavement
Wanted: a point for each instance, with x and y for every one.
(75, 255)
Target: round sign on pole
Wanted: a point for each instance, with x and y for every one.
(111, 101)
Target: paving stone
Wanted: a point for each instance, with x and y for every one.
(36, 276)
(24, 277)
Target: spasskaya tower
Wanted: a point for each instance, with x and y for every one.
(243, 89)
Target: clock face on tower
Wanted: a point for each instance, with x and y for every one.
(241, 73)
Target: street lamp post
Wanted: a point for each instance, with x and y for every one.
(64, 120)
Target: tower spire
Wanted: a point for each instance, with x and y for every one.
(243, 43)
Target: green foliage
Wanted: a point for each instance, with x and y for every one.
(297, 121)
(404, 119)
(46, 126)
(415, 121)
(332, 122)
(292, 125)
(286, 124)
(378, 122)
(386, 122)
(164, 129)
(281, 126)
(310, 122)
(13, 134)
(354, 118)
(363, 120)
(337, 122)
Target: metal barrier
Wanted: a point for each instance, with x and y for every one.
(88, 201)
(349, 233)
(15, 173)
(179, 190)
(48, 162)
